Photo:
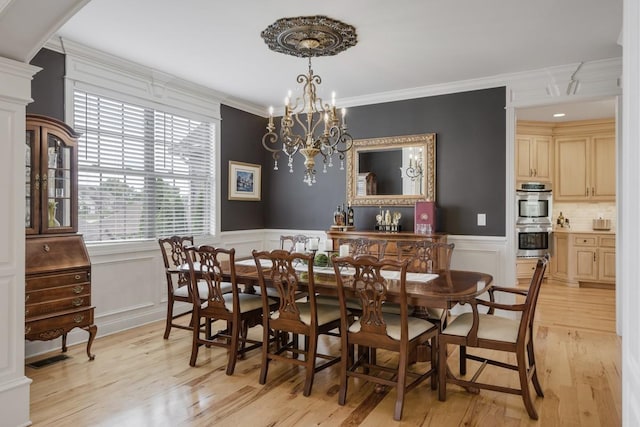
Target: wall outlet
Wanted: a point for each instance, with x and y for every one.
(482, 220)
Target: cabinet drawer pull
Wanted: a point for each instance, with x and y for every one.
(46, 248)
(77, 302)
(77, 289)
(27, 329)
(78, 277)
(78, 318)
(26, 298)
(26, 311)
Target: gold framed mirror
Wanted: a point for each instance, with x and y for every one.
(397, 170)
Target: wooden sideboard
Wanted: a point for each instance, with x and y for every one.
(391, 238)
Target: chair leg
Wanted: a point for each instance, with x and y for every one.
(244, 331)
(310, 355)
(434, 362)
(265, 350)
(347, 355)
(167, 328)
(524, 386)
(463, 360)
(233, 348)
(442, 371)
(195, 344)
(532, 365)
(401, 384)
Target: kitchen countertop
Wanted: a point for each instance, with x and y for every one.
(581, 231)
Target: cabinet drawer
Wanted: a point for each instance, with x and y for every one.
(66, 304)
(49, 295)
(52, 327)
(585, 240)
(608, 241)
(526, 267)
(55, 280)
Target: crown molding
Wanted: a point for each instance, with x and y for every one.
(542, 86)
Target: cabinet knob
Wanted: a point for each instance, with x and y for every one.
(26, 311)
(78, 289)
(78, 277)
(78, 318)
(77, 302)
(27, 329)
(26, 298)
(46, 248)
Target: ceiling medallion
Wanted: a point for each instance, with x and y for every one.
(308, 36)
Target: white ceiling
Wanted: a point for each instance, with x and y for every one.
(401, 45)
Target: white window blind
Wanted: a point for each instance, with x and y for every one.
(142, 173)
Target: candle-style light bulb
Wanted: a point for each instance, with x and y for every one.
(271, 115)
(333, 99)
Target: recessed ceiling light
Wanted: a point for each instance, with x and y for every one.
(559, 115)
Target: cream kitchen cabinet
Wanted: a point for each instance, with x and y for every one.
(534, 151)
(585, 163)
(533, 158)
(584, 258)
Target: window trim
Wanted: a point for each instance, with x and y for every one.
(96, 72)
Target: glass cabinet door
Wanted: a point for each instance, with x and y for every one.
(57, 184)
(32, 181)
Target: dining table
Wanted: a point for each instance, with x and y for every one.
(439, 289)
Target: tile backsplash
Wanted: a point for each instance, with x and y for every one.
(581, 215)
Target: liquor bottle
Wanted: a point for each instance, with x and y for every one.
(344, 214)
(338, 217)
(350, 216)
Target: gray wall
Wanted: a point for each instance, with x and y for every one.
(470, 165)
(47, 86)
(470, 159)
(241, 133)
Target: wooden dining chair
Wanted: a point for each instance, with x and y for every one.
(288, 243)
(237, 309)
(426, 256)
(493, 332)
(178, 289)
(364, 246)
(375, 329)
(293, 315)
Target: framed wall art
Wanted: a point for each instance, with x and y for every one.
(244, 181)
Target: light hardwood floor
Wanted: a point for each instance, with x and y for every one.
(140, 379)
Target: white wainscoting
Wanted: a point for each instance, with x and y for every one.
(129, 288)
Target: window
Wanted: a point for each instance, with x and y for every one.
(142, 173)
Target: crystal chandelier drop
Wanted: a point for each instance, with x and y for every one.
(309, 125)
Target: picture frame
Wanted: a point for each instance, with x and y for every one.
(245, 181)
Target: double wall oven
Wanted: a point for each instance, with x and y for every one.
(533, 224)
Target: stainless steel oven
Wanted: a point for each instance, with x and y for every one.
(533, 240)
(534, 204)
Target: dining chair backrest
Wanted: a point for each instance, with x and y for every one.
(426, 256)
(280, 271)
(531, 301)
(205, 265)
(174, 256)
(288, 243)
(364, 246)
(369, 285)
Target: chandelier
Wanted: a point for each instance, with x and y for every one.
(309, 125)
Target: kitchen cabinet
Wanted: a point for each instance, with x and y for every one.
(585, 162)
(534, 151)
(560, 260)
(585, 258)
(57, 265)
(525, 268)
(533, 158)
